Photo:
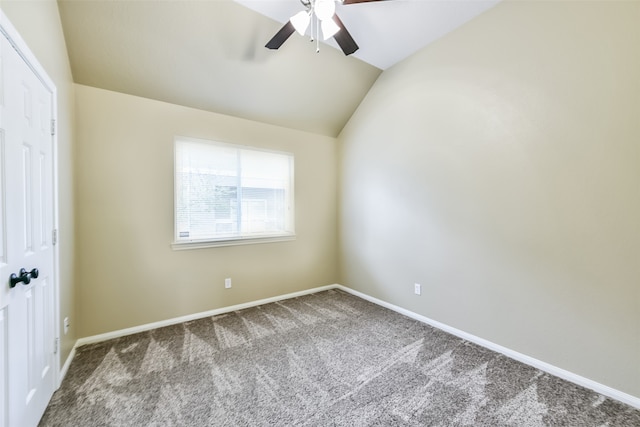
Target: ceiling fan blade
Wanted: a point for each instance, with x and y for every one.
(358, 1)
(281, 36)
(344, 39)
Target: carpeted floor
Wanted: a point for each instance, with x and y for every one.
(327, 359)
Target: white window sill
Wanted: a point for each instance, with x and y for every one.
(201, 244)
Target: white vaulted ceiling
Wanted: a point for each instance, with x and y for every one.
(210, 54)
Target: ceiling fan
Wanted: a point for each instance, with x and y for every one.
(324, 12)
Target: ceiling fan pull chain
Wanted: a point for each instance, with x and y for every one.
(317, 36)
(312, 22)
(317, 21)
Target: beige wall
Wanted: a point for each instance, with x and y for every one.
(130, 275)
(38, 22)
(500, 168)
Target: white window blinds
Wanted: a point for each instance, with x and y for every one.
(227, 192)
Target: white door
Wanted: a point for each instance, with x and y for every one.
(27, 307)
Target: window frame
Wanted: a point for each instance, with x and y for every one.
(213, 242)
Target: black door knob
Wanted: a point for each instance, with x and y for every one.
(24, 277)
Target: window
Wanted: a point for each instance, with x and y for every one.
(231, 194)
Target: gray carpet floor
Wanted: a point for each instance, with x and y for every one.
(327, 359)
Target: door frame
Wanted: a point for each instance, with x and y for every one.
(9, 31)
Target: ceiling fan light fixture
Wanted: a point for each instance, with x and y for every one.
(300, 22)
(324, 14)
(324, 9)
(329, 28)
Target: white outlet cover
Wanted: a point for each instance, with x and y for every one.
(418, 289)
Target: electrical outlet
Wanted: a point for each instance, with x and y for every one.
(66, 325)
(417, 288)
(227, 283)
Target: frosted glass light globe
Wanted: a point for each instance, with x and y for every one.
(300, 22)
(329, 28)
(324, 9)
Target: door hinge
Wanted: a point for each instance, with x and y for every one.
(53, 127)
(56, 346)
(54, 236)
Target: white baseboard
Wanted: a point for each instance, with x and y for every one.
(67, 363)
(543, 366)
(149, 326)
